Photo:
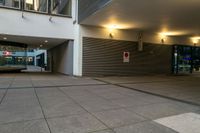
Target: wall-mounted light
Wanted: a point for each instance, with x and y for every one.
(195, 40)
(5, 38)
(50, 19)
(163, 37)
(112, 30)
(111, 35)
(46, 41)
(22, 14)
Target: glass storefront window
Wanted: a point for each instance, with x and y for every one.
(182, 59)
(61, 7)
(12, 57)
(36, 5)
(10, 3)
(196, 60)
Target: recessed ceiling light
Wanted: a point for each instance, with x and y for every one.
(5, 38)
(46, 41)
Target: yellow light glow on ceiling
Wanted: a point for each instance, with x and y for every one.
(174, 33)
(115, 25)
(196, 39)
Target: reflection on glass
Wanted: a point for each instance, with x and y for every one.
(36, 5)
(12, 57)
(182, 59)
(10, 3)
(62, 7)
(196, 60)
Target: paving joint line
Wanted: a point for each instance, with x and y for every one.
(108, 128)
(21, 121)
(5, 93)
(42, 110)
(29, 87)
(150, 93)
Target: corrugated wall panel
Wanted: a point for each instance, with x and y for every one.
(105, 57)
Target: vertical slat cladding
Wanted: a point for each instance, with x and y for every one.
(105, 57)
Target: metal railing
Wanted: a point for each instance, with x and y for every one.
(55, 7)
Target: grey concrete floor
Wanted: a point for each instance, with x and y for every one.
(50, 103)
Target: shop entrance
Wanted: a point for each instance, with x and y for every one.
(186, 59)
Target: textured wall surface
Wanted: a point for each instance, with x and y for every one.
(62, 58)
(105, 57)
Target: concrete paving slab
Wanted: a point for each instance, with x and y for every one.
(135, 79)
(60, 107)
(11, 113)
(43, 83)
(119, 117)
(155, 111)
(104, 131)
(49, 92)
(99, 105)
(107, 91)
(183, 123)
(20, 98)
(81, 95)
(130, 101)
(35, 126)
(5, 83)
(23, 102)
(80, 81)
(145, 127)
(21, 85)
(20, 93)
(186, 90)
(2, 92)
(63, 109)
(76, 124)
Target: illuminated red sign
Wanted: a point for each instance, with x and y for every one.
(7, 53)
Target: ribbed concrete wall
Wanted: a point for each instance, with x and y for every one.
(105, 57)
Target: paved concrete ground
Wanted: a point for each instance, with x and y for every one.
(47, 103)
(186, 88)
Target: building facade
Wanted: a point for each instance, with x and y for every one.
(105, 37)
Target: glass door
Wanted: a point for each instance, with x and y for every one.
(196, 59)
(182, 59)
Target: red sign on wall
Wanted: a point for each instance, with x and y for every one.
(7, 53)
(126, 57)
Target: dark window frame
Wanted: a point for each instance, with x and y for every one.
(49, 12)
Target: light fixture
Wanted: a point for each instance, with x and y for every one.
(46, 41)
(41, 46)
(195, 40)
(163, 37)
(111, 35)
(5, 38)
(112, 29)
(50, 19)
